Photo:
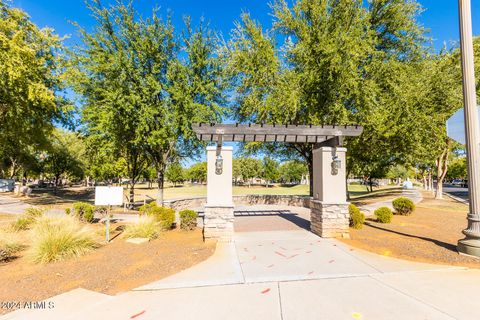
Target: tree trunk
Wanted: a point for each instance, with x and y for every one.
(442, 166)
(310, 175)
(131, 195)
(160, 184)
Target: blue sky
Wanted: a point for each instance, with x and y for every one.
(440, 16)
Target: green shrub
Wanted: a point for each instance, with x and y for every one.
(68, 211)
(8, 249)
(144, 228)
(165, 216)
(60, 238)
(357, 218)
(84, 211)
(33, 213)
(147, 208)
(383, 215)
(188, 219)
(22, 223)
(403, 206)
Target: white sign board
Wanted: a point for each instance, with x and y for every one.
(456, 126)
(105, 196)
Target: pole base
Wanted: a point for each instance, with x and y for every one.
(470, 247)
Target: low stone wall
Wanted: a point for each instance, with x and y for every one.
(282, 200)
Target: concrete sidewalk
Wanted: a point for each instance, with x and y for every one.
(287, 275)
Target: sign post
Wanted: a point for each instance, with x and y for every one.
(108, 196)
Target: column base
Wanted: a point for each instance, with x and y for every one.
(329, 220)
(218, 223)
(470, 247)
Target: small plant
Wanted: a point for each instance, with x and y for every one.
(33, 213)
(144, 228)
(165, 216)
(68, 211)
(22, 223)
(383, 215)
(84, 211)
(147, 208)
(357, 218)
(188, 219)
(27, 219)
(403, 206)
(8, 249)
(60, 238)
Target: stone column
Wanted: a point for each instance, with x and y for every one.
(218, 219)
(329, 208)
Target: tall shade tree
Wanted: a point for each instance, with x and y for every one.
(30, 88)
(328, 69)
(139, 95)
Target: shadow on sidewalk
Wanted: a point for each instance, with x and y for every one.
(285, 214)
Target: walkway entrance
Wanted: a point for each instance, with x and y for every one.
(329, 207)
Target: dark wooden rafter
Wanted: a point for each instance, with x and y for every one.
(323, 134)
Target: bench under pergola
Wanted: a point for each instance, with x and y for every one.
(329, 207)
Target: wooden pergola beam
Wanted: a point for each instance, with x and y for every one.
(273, 133)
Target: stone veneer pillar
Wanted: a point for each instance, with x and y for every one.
(329, 215)
(218, 218)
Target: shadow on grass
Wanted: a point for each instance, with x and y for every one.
(42, 197)
(439, 243)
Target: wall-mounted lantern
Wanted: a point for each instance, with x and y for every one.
(336, 164)
(219, 165)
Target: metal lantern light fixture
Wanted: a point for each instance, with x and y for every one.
(336, 164)
(219, 165)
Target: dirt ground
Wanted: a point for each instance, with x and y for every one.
(430, 234)
(113, 268)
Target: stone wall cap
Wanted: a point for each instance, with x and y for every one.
(330, 203)
(210, 205)
(224, 148)
(329, 149)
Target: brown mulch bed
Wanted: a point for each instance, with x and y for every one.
(113, 268)
(429, 235)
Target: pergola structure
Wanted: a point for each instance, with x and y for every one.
(329, 207)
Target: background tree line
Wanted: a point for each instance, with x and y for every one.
(140, 83)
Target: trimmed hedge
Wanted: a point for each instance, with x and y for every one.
(403, 206)
(383, 215)
(188, 219)
(357, 218)
(165, 216)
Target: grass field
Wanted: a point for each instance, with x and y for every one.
(188, 191)
(64, 198)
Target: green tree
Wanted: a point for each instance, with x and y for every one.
(63, 158)
(330, 68)
(457, 168)
(31, 88)
(143, 87)
(250, 168)
(175, 173)
(293, 171)
(270, 170)
(198, 172)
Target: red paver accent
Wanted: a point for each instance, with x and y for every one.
(137, 315)
(280, 254)
(265, 291)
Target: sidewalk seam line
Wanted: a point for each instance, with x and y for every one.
(413, 297)
(238, 260)
(280, 301)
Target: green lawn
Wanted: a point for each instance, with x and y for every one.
(190, 191)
